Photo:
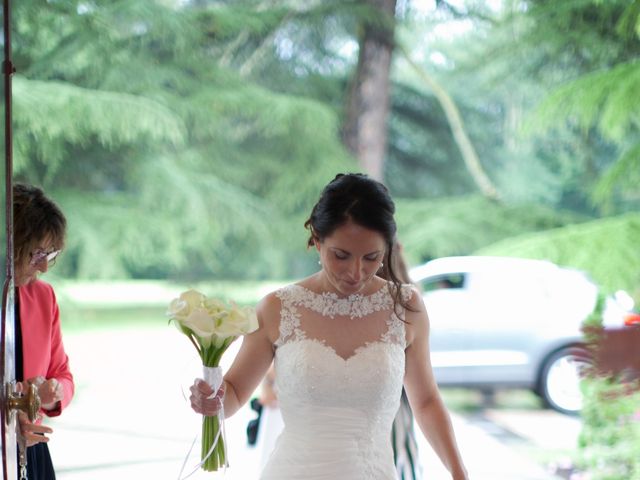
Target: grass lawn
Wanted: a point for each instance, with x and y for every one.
(82, 319)
(134, 304)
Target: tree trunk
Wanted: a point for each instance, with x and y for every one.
(365, 128)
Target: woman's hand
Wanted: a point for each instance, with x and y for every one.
(202, 399)
(32, 432)
(50, 391)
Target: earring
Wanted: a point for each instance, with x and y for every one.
(319, 262)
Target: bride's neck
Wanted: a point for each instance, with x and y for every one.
(320, 283)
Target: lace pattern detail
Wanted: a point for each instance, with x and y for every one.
(289, 318)
(395, 324)
(329, 304)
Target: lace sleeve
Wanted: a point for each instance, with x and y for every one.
(396, 329)
(406, 291)
(289, 328)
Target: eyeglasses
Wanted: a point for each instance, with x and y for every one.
(40, 255)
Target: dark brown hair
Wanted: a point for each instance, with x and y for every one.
(366, 202)
(35, 218)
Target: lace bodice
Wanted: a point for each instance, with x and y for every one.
(329, 305)
(339, 370)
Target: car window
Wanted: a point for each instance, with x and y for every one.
(441, 282)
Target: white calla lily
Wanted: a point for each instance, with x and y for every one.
(202, 325)
(211, 326)
(193, 298)
(209, 322)
(178, 309)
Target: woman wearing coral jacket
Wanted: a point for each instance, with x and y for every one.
(39, 230)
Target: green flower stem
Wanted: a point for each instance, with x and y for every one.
(211, 356)
(195, 344)
(210, 428)
(211, 425)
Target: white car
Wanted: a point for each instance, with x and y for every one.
(507, 323)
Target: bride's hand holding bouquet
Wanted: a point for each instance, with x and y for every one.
(211, 326)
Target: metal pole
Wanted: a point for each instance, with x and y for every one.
(7, 313)
(8, 69)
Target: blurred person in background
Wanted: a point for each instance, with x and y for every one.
(39, 228)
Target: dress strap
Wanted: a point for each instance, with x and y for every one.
(396, 323)
(289, 328)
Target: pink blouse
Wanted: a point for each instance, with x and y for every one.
(42, 349)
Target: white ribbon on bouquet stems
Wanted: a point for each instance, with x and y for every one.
(213, 376)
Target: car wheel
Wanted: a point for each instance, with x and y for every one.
(560, 380)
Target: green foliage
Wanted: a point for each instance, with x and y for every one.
(165, 159)
(610, 438)
(608, 99)
(462, 225)
(594, 320)
(623, 175)
(629, 24)
(82, 116)
(509, 62)
(423, 160)
(605, 248)
(190, 139)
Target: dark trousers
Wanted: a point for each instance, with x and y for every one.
(39, 465)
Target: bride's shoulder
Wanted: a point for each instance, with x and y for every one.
(417, 320)
(269, 302)
(270, 306)
(412, 296)
(268, 313)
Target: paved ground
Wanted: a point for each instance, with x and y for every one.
(129, 419)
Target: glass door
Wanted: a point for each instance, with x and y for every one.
(7, 343)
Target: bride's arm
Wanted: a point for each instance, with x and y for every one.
(248, 368)
(424, 396)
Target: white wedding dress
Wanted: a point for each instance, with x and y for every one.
(338, 400)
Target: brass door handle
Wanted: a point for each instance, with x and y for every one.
(28, 402)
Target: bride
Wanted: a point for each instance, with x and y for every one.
(343, 341)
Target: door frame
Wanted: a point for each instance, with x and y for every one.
(7, 333)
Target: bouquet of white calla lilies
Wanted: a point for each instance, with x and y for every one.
(211, 325)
